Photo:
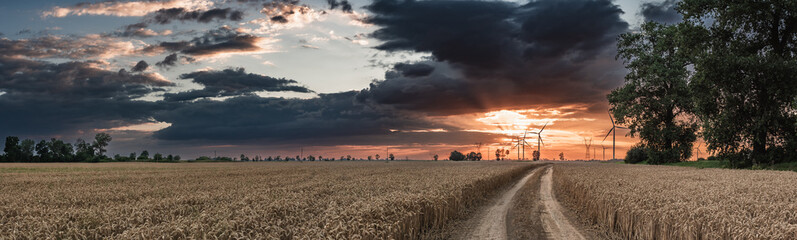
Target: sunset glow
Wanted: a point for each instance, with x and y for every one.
(360, 78)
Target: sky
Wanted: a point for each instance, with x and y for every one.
(331, 78)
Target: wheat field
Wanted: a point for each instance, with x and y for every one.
(661, 202)
(274, 200)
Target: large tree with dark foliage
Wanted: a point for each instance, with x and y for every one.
(654, 102)
(745, 79)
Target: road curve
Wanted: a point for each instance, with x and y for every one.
(556, 224)
(492, 222)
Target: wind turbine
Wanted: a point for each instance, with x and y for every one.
(604, 151)
(698, 151)
(613, 130)
(521, 143)
(539, 138)
(588, 144)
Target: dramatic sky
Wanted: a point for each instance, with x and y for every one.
(357, 77)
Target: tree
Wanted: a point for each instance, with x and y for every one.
(391, 157)
(61, 151)
(157, 157)
(84, 151)
(498, 154)
(435, 157)
(43, 150)
(456, 156)
(177, 158)
(132, 156)
(369, 158)
(170, 158)
(744, 80)
(12, 150)
(655, 101)
(377, 157)
(101, 140)
(144, 155)
(561, 156)
(535, 155)
(27, 148)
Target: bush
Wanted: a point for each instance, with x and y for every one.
(456, 156)
(662, 157)
(636, 154)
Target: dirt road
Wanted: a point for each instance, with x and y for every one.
(491, 221)
(556, 224)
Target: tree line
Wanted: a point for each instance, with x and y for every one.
(56, 150)
(726, 74)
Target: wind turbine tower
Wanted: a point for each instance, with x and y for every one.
(612, 131)
(588, 144)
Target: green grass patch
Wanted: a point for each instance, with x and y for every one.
(786, 166)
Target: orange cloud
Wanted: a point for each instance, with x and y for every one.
(125, 9)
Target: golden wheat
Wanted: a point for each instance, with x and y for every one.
(661, 202)
(348, 200)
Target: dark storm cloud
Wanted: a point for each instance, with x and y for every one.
(140, 66)
(232, 82)
(578, 29)
(332, 117)
(413, 69)
(470, 32)
(213, 42)
(168, 61)
(279, 19)
(166, 16)
(46, 98)
(662, 12)
(344, 5)
(494, 55)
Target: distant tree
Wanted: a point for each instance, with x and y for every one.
(369, 158)
(170, 158)
(498, 153)
(298, 158)
(61, 151)
(84, 151)
(456, 156)
(269, 159)
(655, 101)
(27, 148)
(43, 150)
(391, 157)
(535, 155)
(744, 82)
(13, 152)
(435, 157)
(310, 158)
(377, 156)
(177, 158)
(157, 157)
(101, 140)
(144, 156)
(562, 156)
(348, 157)
(118, 158)
(132, 156)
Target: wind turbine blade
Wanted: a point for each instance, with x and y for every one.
(543, 142)
(607, 134)
(543, 127)
(610, 117)
(622, 127)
